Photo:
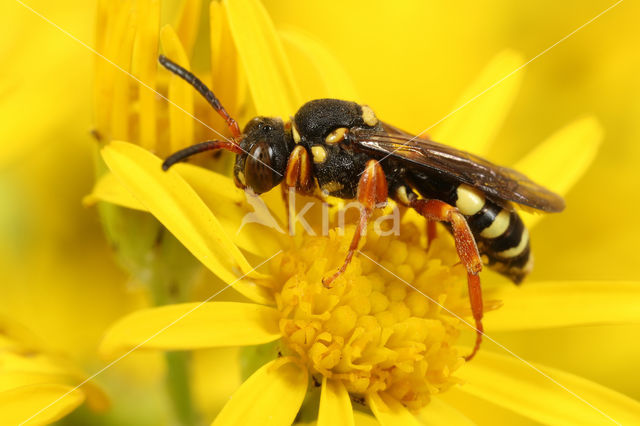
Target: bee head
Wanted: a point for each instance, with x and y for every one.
(266, 146)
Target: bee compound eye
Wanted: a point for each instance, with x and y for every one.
(258, 171)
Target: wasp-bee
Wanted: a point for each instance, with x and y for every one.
(343, 149)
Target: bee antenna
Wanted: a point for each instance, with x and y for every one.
(198, 148)
(203, 90)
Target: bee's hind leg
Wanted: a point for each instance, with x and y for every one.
(435, 210)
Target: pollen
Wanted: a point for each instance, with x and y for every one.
(372, 330)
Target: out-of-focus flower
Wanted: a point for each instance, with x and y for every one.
(37, 387)
(333, 335)
(59, 278)
(56, 272)
(411, 61)
(364, 340)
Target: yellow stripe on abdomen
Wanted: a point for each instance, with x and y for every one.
(515, 251)
(498, 226)
(470, 200)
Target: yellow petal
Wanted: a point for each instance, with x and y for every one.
(440, 413)
(508, 382)
(364, 419)
(145, 67)
(110, 28)
(265, 63)
(193, 326)
(480, 112)
(121, 105)
(187, 26)
(271, 396)
(180, 93)
(331, 80)
(561, 160)
(220, 366)
(390, 412)
(33, 367)
(18, 405)
(231, 206)
(108, 188)
(176, 205)
(113, 97)
(228, 81)
(219, 194)
(565, 304)
(96, 398)
(335, 404)
(14, 379)
(213, 184)
(16, 337)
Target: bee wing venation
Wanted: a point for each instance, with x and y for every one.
(500, 182)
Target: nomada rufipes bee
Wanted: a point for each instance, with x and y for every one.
(343, 149)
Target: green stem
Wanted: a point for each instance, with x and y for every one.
(179, 388)
(172, 273)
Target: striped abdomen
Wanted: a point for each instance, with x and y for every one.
(499, 232)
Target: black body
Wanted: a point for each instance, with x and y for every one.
(340, 137)
(338, 174)
(343, 164)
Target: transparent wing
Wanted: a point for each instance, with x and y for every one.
(500, 182)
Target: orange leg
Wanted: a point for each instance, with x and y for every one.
(372, 193)
(297, 176)
(435, 210)
(285, 199)
(432, 232)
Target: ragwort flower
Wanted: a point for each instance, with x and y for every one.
(38, 387)
(368, 337)
(371, 339)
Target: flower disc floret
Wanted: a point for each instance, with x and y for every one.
(371, 330)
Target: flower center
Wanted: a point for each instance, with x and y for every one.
(372, 330)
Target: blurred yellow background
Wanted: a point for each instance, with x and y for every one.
(410, 61)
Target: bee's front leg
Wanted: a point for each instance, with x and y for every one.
(372, 193)
(432, 232)
(297, 177)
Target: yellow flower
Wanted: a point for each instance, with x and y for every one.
(58, 275)
(318, 327)
(370, 336)
(38, 387)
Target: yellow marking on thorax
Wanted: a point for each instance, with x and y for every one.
(368, 116)
(470, 200)
(332, 187)
(515, 251)
(294, 132)
(498, 226)
(319, 153)
(336, 136)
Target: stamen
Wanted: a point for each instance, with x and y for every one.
(370, 330)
